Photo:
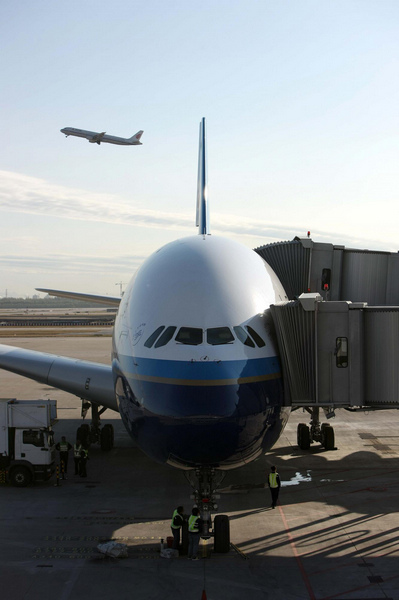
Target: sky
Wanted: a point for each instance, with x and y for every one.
(301, 102)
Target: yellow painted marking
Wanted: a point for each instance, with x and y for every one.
(240, 552)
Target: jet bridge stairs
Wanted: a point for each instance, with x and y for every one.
(338, 335)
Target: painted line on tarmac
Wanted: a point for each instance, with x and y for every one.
(363, 587)
(240, 552)
(68, 586)
(297, 556)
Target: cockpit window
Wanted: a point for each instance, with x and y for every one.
(165, 337)
(255, 336)
(219, 335)
(154, 336)
(243, 336)
(189, 335)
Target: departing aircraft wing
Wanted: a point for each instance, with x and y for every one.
(88, 380)
(109, 300)
(97, 138)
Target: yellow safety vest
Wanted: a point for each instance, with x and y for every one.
(173, 518)
(63, 446)
(76, 450)
(192, 524)
(273, 480)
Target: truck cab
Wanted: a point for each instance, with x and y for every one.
(27, 450)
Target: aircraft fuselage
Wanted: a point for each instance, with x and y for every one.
(197, 376)
(96, 137)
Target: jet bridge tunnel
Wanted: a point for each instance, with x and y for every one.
(338, 335)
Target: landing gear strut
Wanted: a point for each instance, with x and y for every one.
(94, 433)
(317, 432)
(205, 481)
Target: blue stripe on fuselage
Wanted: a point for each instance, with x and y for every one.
(210, 372)
(181, 389)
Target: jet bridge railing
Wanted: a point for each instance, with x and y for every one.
(338, 354)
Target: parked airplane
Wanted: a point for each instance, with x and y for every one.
(195, 373)
(97, 138)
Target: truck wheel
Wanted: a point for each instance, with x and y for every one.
(106, 436)
(20, 477)
(221, 539)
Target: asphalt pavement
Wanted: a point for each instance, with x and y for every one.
(333, 535)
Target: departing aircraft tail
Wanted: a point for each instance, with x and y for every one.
(136, 137)
(202, 220)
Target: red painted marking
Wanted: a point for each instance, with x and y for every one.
(297, 556)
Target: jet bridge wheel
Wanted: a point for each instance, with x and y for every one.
(303, 436)
(327, 436)
(221, 529)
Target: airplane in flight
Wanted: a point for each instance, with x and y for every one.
(194, 372)
(97, 138)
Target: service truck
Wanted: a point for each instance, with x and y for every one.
(27, 451)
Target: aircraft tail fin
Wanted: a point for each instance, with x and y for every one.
(202, 220)
(136, 137)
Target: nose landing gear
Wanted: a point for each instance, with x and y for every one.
(205, 481)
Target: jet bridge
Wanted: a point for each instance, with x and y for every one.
(335, 272)
(338, 336)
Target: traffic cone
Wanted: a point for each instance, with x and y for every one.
(204, 596)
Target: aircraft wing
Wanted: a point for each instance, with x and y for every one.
(109, 300)
(97, 138)
(88, 380)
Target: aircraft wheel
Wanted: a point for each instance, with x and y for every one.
(20, 477)
(183, 551)
(221, 539)
(111, 428)
(303, 436)
(82, 434)
(106, 438)
(328, 437)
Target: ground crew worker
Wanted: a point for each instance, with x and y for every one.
(194, 528)
(84, 457)
(63, 448)
(77, 448)
(176, 525)
(274, 485)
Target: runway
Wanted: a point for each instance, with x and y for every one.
(334, 534)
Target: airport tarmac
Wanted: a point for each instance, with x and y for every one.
(334, 534)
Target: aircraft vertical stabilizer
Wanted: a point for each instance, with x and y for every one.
(202, 219)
